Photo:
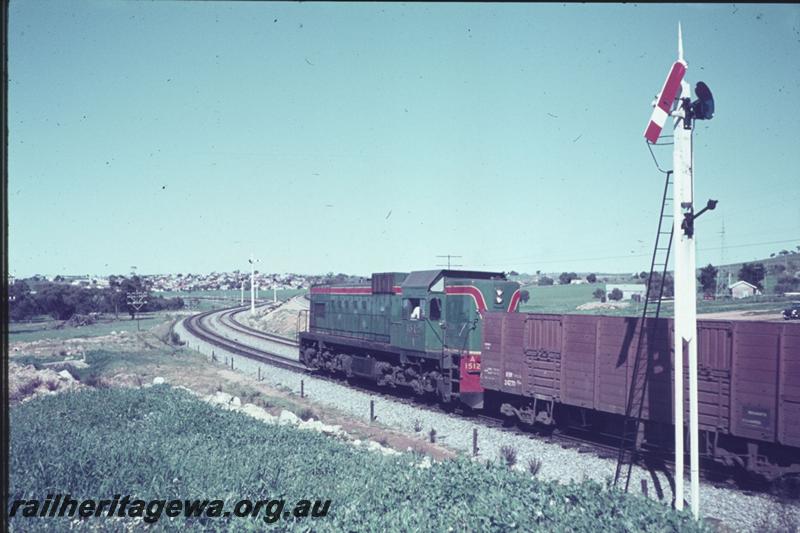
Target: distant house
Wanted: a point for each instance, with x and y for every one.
(628, 290)
(578, 281)
(742, 289)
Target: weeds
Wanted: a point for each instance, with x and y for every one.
(307, 414)
(534, 465)
(417, 425)
(509, 455)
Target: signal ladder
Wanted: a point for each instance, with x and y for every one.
(632, 429)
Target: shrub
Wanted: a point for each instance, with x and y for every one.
(307, 414)
(534, 465)
(509, 455)
(616, 295)
(432, 435)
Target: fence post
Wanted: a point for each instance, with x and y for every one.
(474, 442)
(302, 389)
(371, 411)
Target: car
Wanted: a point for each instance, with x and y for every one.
(792, 312)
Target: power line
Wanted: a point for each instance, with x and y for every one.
(550, 261)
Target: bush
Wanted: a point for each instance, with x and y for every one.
(509, 455)
(307, 414)
(786, 283)
(615, 295)
(534, 465)
(600, 294)
(544, 280)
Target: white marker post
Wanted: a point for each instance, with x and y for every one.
(252, 285)
(685, 298)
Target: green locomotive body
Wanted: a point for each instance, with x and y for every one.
(420, 330)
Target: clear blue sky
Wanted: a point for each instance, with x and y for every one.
(179, 136)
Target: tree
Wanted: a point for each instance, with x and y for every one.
(616, 294)
(600, 294)
(708, 279)
(566, 277)
(787, 283)
(544, 280)
(643, 275)
(753, 273)
(656, 283)
(591, 278)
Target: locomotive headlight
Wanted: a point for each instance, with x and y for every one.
(499, 296)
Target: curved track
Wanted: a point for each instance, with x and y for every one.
(203, 327)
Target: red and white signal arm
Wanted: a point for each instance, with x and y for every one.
(666, 97)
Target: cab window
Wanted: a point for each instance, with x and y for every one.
(435, 312)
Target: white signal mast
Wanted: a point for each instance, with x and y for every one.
(675, 100)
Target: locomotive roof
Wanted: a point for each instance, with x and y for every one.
(423, 279)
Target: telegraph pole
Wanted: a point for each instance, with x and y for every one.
(449, 256)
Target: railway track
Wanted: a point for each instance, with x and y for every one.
(606, 447)
(198, 326)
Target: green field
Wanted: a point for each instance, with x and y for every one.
(564, 299)
(559, 298)
(46, 328)
(161, 443)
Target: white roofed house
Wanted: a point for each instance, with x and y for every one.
(743, 289)
(629, 290)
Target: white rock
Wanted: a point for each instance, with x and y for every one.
(333, 430)
(64, 374)
(221, 398)
(356, 443)
(313, 425)
(158, 380)
(258, 413)
(288, 417)
(236, 402)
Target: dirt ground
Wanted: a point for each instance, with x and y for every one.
(766, 316)
(281, 321)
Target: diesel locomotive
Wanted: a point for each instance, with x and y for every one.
(458, 335)
(420, 330)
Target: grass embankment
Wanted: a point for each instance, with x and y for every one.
(163, 443)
